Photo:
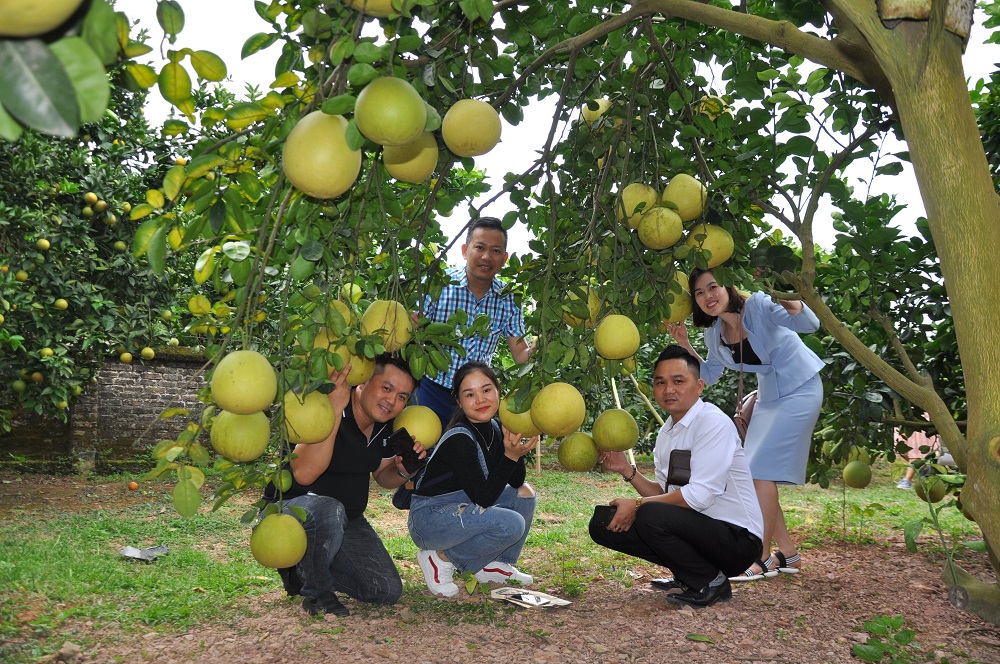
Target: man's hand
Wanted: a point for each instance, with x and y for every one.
(624, 515)
(340, 397)
(615, 462)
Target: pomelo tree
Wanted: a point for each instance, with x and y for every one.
(764, 102)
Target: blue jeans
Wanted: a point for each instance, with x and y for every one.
(472, 536)
(438, 398)
(344, 555)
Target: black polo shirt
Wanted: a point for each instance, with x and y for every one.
(348, 477)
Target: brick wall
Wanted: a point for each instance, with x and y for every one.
(113, 424)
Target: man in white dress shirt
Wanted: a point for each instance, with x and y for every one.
(709, 528)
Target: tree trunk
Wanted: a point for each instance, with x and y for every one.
(963, 212)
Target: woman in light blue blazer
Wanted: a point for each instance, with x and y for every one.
(763, 336)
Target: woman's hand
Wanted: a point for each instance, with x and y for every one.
(679, 332)
(791, 306)
(516, 446)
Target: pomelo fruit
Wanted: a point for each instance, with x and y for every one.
(380, 8)
(413, 162)
(147, 353)
(471, 128)
(558, 409)
(517, 422)
(389, 111)
(351, 292)
(660, 228)
(308, 419)
(278, 541)
(632, 196)
(714, 239)
(687, 194)
(590, 115)
(616, 337)
(362, 368)
(316, 158)
(391, 320)
(855, 452)
(615, 430)
(577, 452)
(244, 382)
(593, 306)
(683, 304)
(930, 488)
(420, 422)
(29, 18)
(857, 474)
(240, 438)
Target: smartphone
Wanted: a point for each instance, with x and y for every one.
(401, 442)
(603, 514)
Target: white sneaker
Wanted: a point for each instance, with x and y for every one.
(904, 484)
(437, 573)
(499, 572)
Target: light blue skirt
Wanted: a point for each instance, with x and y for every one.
(780, 433)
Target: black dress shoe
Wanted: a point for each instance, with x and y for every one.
(325, 604)
(671, 585)
(707, 596)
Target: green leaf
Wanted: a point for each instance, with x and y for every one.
(867, 652)
(173, 182)
(699, 638)
(257, 43)
(100, 31)
(10, 130)
(144, 236)
(244, 114)
(156, 251)
(368, 52)
(141, 210)
(175, 127)
(208, 65)
(35, 88)
(186, 498)
(353, 136)
(339, 105)
(360, 74)
(140, 77)
(170, 16)
(202, 165)
(174, 83)
(85, 70)
(911, 532)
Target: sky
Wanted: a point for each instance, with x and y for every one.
(209, 25)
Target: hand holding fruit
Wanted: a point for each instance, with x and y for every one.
(679, 332)
(615, 462)
(340, 397)
(515, 446)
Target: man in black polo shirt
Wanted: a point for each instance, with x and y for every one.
(331, 483)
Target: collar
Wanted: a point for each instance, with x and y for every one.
(688, 418)
(461, 277)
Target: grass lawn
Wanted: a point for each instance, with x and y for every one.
(60, 562)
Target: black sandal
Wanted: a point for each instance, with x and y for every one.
(749, 575)
(785, 564)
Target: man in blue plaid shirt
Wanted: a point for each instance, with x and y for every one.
(476, 290)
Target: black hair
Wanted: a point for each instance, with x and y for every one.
(489, 223)
(394, 359)
(674, 352)
(459, 416)
(698, 317)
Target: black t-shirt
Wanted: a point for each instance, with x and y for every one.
(458, 456)
(348, 477)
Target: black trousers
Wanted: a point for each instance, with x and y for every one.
(695, 547)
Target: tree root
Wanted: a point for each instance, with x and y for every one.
(967, 593)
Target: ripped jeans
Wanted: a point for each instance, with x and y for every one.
(472, 536)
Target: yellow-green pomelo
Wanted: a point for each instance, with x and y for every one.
(352, 292)
(660, 228)
(687, 194)
(316, 157)
(857, 474)
(29, 18)
(713, 106)
(683, 304)
(308, 419)
(616, 337)
(278, 541)
(593, 306)
(632, 196)
(517, 422)
(589, 115)
(389, 319)
(615, 430)
(413, 162)
(240, 438)
(471, 127)
(578, 452)
(380, 8)
(362, 368)
(61, 304)
(389, 111)
(558, 409)
(420, 422)
(244, 382)
(855, 452)
(714, 239)
(930, 488)
(339, 316)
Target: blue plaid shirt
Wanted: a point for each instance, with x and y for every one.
(506, 319)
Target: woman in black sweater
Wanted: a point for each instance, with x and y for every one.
(471, 509)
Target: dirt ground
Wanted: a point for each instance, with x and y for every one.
(814, 616)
